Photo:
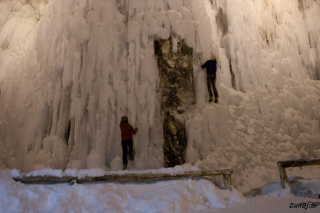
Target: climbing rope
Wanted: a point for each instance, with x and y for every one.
(134, 89)
(8, 16)
(127, 80)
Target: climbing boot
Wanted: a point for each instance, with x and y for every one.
(217, 100)
(210, 100)
(125, 167)
(131, 156)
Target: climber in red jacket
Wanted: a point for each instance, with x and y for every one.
(126, 140)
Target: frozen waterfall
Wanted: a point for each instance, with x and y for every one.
(69, 69)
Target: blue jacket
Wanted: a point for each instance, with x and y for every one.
(211, 66)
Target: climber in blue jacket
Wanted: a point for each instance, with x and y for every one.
(211, 66)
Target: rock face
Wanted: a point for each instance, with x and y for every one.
(177, 95)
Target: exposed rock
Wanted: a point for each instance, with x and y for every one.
(177, 88)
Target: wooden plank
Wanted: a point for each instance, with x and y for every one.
(129, 177)
(227, 181)
(44, 179)
(293, 163)
(120, 178)
(283, 176)
(298, 163)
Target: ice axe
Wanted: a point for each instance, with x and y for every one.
(199, 55)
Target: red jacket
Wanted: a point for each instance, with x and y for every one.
(126, 131)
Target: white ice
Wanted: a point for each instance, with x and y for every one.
(72, 64)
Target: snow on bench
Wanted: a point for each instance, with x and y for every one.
(293, 163)
(127, 177)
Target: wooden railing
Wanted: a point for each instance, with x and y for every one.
(128, 177)
(282, 165)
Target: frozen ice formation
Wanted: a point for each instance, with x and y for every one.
(69, 69)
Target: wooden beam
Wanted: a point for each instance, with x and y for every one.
(129, 177)
(283, 176)
(298, 163)
(125, 177)
(282, 165)
(227, 181)
(44, 179)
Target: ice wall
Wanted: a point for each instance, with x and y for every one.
(268, 83)
(75, 67)
(94, 62)
(21, 122)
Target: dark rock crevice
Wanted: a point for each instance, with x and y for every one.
(222, 22)
(233, 77)
(177, 95)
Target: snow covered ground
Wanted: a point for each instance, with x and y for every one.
(69, 63)
(185, 195)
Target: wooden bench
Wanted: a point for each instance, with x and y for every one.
(282, 165)
(128, 177)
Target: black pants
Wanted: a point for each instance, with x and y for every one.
(125, 145)
(211, 81)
